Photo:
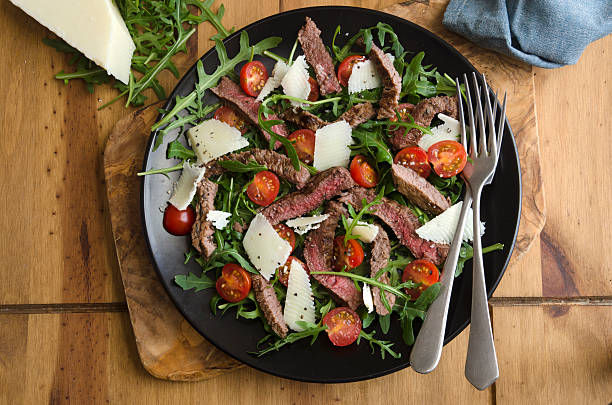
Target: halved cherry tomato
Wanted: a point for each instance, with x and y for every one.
(264, 188)
(253, 76)
(286, 233)
(304, 144)
(363, 173)
(346, 67)
(420, 271)
(343, 326)
(283, 271)
(178, 222)
(230, 117)
(414, 158)
(314, 90)
(447, 157)
(404, 110)
(347, 256)
(234, 283)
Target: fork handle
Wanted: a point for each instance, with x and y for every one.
(481, 364)
(427, 348)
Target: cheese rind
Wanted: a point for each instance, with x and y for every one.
(186, 186)
(332, 145)
(93, 27)
(265, 248)
(299, 304)
(213, 138)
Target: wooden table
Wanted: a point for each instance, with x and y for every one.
(65, 335)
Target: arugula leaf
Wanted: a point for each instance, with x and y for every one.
(384, 345)
(192, 281)
(466, 252)
(385, 323)
(372, 142)
(310, 330)
(179, 151)
(366, 209)
(239, 167)
(418, 309)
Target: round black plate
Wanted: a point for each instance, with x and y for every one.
(322, 362)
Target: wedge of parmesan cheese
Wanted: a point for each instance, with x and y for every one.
(366, 232)
(299, 304)
(332, 146)
(279, 71)
(265, 248)
(295, 82)
(186, 186)
(441, 229)
(450, 130)
(364, 76)
(304, 224)
(367, 297)
(219, 219)
(213, 138)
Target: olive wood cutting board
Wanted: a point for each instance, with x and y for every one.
(169, 348)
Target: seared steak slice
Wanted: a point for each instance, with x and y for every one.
(402, 221)
(358, 114)
(381, 252)
(303, 119)
(268, 302)
(400, 131)
(418, 190)
(391, 80)
(232, 94)
(317, 57)
(319, 188)
(274, 161)
(318, 252)
(202, 231)
(423, 113)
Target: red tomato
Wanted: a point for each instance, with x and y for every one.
(304, 144)
(178, 222)
(234, 283)
(231, 118)
(253, 76)
(404, 110)
(286, 233)
(420, 271)
(346, 67)
(314, 89)
(283, 271)
(414, 158)
(264, 188)
(347, 256)
(447, 157)
(343, 326)
(363, 173)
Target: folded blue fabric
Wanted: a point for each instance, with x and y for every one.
(545, 33)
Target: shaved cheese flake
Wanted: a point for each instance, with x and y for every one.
(367, 297)
(265, 248)
(450, 130)
(186, 186)
(332, 145)
(366, 232)
(279, 71)
(304, 224)
(441, 229)
(299, 304)
(213, 138)
(295, 82)
(219, 219)
(364, 76)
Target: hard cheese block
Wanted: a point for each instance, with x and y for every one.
(94, 27)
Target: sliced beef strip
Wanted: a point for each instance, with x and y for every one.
(202, 231)
(358, 114)
(274, 161)
(318, 252)
(354, 116)
(232, 94)
(268, 302)
(418, 190)
(318, 57)
(303, 119)
(423, 113)
(319, 188)
(402, 221)
(381, 252)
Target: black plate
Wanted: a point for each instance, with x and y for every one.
(322, 362)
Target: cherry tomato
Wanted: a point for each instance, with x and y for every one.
(420, 271)
(363, 173)
(264, 188)
(304, 144)
(178, 222)
(283, 271)
(253, 76)
(447, 157)
(286, 233)
(230, 117)
(347, 256)
(404, 111)
(234, 283)
(343, 326)
(314, 90)
(414, 158)
(346, 67)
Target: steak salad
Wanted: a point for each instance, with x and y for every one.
(321, 196)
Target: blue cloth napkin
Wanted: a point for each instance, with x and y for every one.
(545, 33)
